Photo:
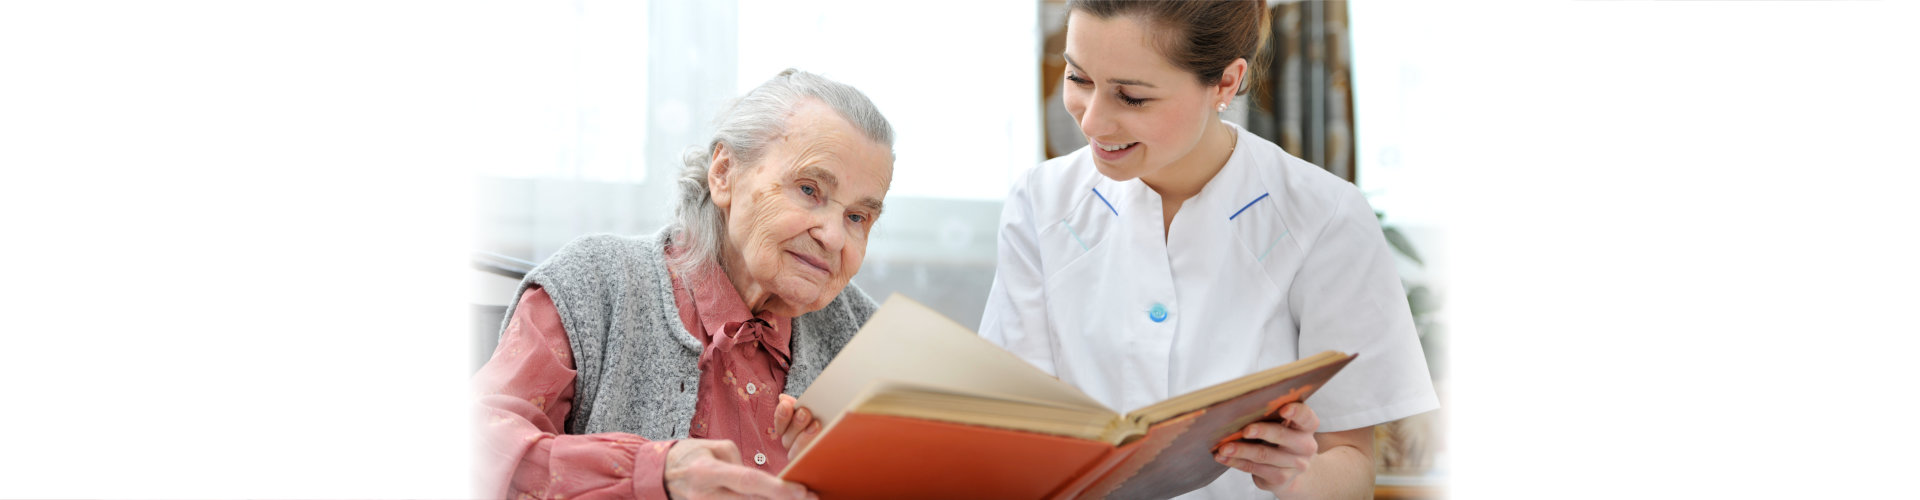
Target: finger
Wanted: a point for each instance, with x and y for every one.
(752, 482)
(1265, 477)
(729, 495)
(1285, 437)
(1264, 454)
(783, 413)
(712, 476)
(804, 440)
(1269, 479)
(1300, 416)
(802, 420)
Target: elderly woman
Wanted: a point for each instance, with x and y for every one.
(655, 366)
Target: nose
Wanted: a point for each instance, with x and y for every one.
(830, 231)
(1093, 118)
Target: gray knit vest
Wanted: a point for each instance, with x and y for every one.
(638, 367)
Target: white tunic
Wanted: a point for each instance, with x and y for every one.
(1274, 258)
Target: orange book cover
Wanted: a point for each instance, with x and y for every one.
(916, 406)
(885, 456)
(1176, 455)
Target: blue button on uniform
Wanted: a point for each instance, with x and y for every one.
(1158, 313)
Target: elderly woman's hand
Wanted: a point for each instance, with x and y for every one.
(710, 468)
(1283, 453)
(795, 425)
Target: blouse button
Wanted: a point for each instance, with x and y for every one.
(751, 389)
(1158, 313)
(759, 459)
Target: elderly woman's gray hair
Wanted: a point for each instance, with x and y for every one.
(746, 127)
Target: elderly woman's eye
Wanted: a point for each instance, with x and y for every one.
(857, 218)
(807, 190)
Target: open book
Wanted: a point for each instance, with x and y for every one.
(916, 406)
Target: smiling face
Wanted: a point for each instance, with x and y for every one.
(797, 222)
(1139, 112)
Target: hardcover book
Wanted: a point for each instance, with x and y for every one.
(917, 406)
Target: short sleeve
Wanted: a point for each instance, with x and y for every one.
(1348, 297)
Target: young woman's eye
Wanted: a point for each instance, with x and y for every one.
(1130, 101)
(1077, 80)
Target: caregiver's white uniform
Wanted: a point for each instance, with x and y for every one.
(1273, 259)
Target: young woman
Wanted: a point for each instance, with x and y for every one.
(1177, 251)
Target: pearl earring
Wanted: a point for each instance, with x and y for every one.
(1223, 107)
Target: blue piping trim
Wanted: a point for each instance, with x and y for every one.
(1249, 204)
(1103, 199)
(1276, 241)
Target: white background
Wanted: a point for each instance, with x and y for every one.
(1679, 235)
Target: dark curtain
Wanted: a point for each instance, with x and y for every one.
(1305, 102)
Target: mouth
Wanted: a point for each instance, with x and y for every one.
(1111, 152)
(811, 261)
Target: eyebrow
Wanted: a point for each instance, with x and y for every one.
(872, 204)
(1121, 81)
(825, 176)
(833, 184)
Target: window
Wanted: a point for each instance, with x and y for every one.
(626, 89)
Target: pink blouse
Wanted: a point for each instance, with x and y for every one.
(526, 392)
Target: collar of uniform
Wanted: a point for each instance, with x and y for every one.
(1235, 186)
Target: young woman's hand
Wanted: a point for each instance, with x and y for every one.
(795, 425)
(1283, 452)
(711, 468)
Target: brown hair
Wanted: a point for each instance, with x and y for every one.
(1200, 36)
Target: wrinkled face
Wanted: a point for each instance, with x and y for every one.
(797, 222)
(1139, 112)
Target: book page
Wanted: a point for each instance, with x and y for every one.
(908, 342)
(905, 399)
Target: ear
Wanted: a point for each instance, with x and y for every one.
(1231, 79)
(719, 174)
